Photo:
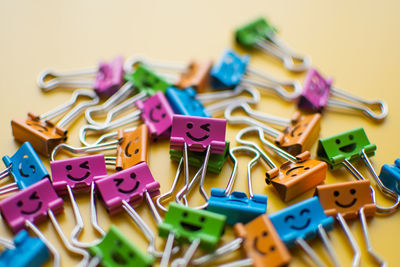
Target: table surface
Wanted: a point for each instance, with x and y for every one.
(356, 42)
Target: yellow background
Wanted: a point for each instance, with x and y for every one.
(356, 42)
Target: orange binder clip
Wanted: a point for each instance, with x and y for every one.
(298, 135)
(262, 244)
(43, 134)
(133, 148)
(197, 75)
(294, 177)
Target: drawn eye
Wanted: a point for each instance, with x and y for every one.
(185, 214)
(20, 203)
(351, 137)
(288, 218)
(352, 191)
(336, 193)
(68, 167)
(205, 127)
(189, 125)
(133, 175)
(202, 219)
(84, 165)
(34, 196)
(303, 211)
(337, 141)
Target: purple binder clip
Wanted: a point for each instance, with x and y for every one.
(128, 185)
(109, 77)
(198, 133)
(157, 115)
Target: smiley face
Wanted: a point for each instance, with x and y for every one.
(316, 91)
(132, 188)
(33, 198)
(38, 126)
(133, 148)
(184, 102)
(157, 109)
(190, 224)
(83, 165)
(262, 243)
(147, 81)
(205, 127)
(26, 164)
(116, 250)
(301, 222)
(346, 198)
(253, 32)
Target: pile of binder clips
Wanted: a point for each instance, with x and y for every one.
(130, 104)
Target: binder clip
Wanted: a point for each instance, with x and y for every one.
(25, 167)
(43, 134)
(260, 241)
(303, 221)
(232, 69)
(26, 251)
(116, 250)
(131, 146)
(390, 176)
(196, 74)
(319, 93)
(262, 35)
(197, 134)
(350, 200)
(236, 206)
(184, 102)
(31, 206)
(104, 79)
(295, 176)
(298, 135)
(187, 225)
(132, 186)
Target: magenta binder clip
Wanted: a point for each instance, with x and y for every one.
(128, 185)
(157, 115)
(319, 93)
(198, 133)
(109, 77)
(77, 173)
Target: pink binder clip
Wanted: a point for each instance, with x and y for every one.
(77, 173)
(109, 77)
(157, 115)
(198, 133)
(128, 185)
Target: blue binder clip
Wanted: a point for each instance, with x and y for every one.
(228, 71)
(184, 102)
(28, 251)
(26, 168)
(390, 176)
(236, 205)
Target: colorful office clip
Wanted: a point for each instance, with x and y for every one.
(157, 115)
(236, 205)
(198, 133)
(184, 102)
(196, 159)
(116, 250)
(262, 35)
(299, 134)
(232, 70)
(105, 79)
(345, 146)
(294, 177)
(27, 251)
(303, 221)
(350, 200)
(187, 225)
(319, 93)
(390, 176)
(43, 134)
(145, 80)
(25, 167)
(77, 173)
(128, 185)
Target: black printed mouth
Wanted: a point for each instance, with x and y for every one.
(348, 148)
(78, 179)
(301, 227)
(151, 115)
(190, 227)
(43, 128)
(255, 247)
(127, 148)
(118, 259)
(33, 211)
(292, 169)
(22, 173)
(197, 139)
(294, 130)
(346, 205)
(130, 190)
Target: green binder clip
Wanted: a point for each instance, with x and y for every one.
(145, 80)
(261, 35)
(116, 250)
(347, 145)
(187, 225)
(215, 163)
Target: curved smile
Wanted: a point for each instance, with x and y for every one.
(292, 133)
(127, 148)
(152, 117)
(348, 148)
(301, 227)
(346, 205)
(130, 190)
(292, 169)
(118, 259)
(42, 128)
(22, 173)
(190, 227)
(78, 179)
(255, 247)
(197, 139)
(33, 211)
